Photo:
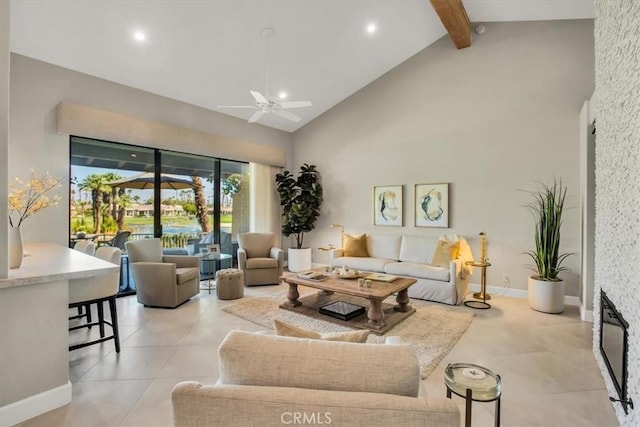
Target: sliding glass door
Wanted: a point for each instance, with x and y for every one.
(190, 201)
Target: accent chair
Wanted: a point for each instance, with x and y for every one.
(162, 280)
(259, 259)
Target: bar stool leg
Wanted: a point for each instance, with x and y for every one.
(114, 322)
(467, 412)
(87, 309)
(101, 318)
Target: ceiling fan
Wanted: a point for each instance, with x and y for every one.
(266, 104)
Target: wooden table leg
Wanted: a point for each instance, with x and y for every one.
(403, 301)
(375, 314)
(292, 296)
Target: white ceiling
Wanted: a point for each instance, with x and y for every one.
(211, 52)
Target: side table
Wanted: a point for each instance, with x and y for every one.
(212, 260)
(482, 295)
(476, 384)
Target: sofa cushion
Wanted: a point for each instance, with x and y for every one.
(268, 360)
(355, 245)
(444, 252)
(384, 246)
(287, 330)
(254, 263)
(417, 249)
(187, 273)
(418, 271)
(362, 263)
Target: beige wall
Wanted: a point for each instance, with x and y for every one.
(491, 120)
(38, 87)
(4, 129)
(617, 254)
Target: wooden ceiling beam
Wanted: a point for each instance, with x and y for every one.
(455, 19)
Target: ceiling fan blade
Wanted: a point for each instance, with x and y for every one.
(256, 116)
(258, 97)
(287, 115)
(236, 106)
(295, 104)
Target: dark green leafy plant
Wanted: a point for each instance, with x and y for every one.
(300, 199)
(546, 206)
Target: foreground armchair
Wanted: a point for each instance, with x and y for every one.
(162, 280)
(260, 260)
(267, 380)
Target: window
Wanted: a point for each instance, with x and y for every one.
(113, 188)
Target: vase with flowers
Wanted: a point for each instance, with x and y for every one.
(25, 200)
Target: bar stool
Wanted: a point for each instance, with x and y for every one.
(86, 247)
(98, 289)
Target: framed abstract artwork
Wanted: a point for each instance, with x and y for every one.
(431, 205)
(387, 205)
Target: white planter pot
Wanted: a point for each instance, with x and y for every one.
(546, 296)
(299, 260)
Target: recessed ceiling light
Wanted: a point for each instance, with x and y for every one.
(140, 36)
(283, 95)
(371, 28)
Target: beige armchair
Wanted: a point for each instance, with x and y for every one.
(260, 260)
(162, 280)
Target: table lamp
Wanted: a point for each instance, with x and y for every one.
(483, 246)
(341, 227)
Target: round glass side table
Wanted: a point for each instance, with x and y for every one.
(209, 264)
(474, 383)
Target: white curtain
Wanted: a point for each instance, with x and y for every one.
(264, 205)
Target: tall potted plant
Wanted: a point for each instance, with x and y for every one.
(300, 199)
(546, 289)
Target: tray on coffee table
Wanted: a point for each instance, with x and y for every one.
(342, 310)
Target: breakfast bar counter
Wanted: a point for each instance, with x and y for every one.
(34, 355)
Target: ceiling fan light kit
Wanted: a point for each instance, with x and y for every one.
(265, 103)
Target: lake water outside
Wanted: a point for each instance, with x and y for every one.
(171, 229)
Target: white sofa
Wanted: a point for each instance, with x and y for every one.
(268, 380)
(410, 256)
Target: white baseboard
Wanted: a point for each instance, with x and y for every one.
(518, 293)
(495, 290)
(585, 315)
(22, 410)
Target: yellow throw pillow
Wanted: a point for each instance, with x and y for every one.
(444, 253)
(285, 329)
(355, 246)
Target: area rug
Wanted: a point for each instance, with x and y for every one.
(432, 331)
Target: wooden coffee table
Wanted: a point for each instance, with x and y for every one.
(380, 317)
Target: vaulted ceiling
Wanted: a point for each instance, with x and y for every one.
(211, 53)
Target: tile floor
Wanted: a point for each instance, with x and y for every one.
(550, 377)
